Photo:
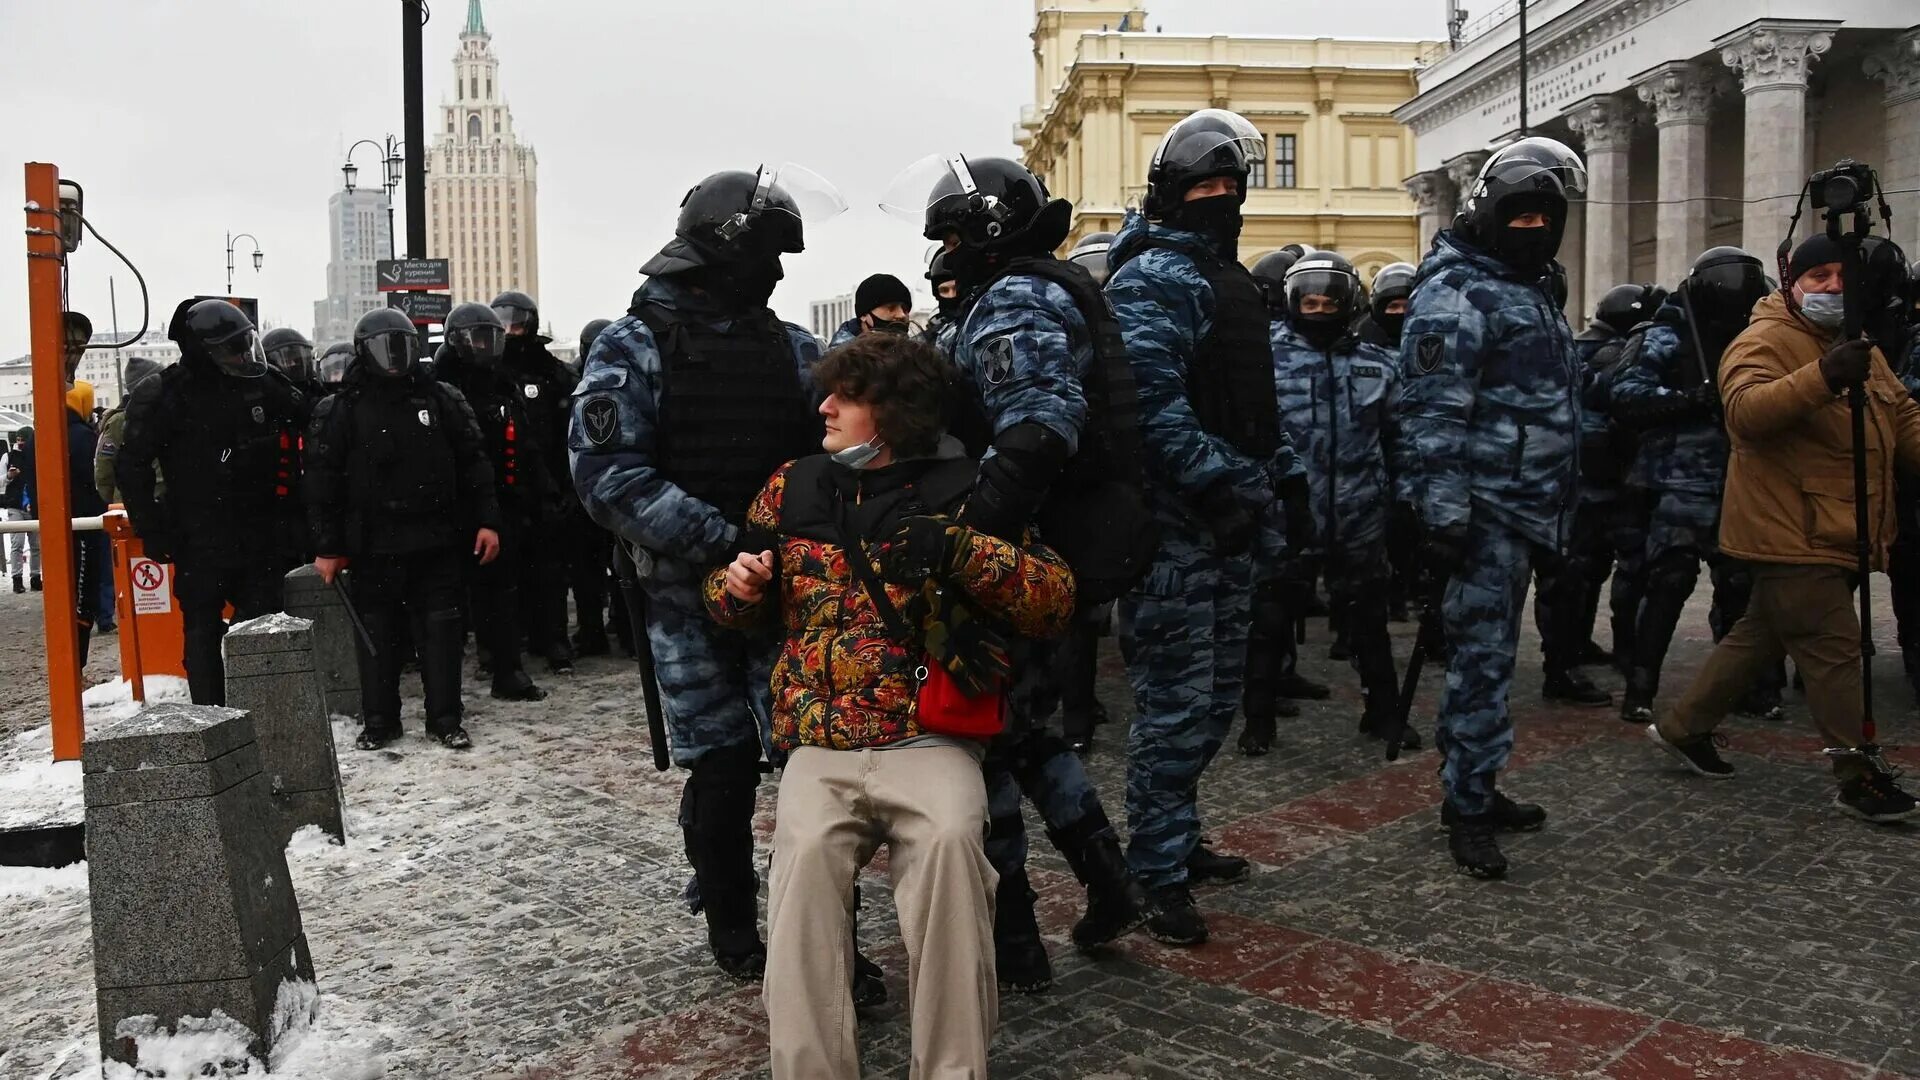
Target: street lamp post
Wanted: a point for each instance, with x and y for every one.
(258, 257)
(391, 174)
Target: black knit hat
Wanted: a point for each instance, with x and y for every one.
(878, 290)
(1814, 251)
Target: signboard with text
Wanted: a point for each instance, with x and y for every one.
(422, 307)
(396, 275)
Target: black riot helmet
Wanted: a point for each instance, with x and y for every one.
(1323, 273)
(386, 342)
(938, 272)
(736, 216)
(1091, 252)
(1270, 273)
(1627, 306)
(589, 334)
(1536, 174)
(517, 311)
(1723, 285)
(1206, 144)
(331, 369)
(1391, 282)
(987, 204)
(477, 334)
(290, 352)
(219, 333)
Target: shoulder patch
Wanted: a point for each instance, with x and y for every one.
(996, 359)
(601, 419)
(1428, 352)
(532, 390)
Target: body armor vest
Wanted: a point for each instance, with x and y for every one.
(732, 409)
(1230, 378)
(261, 460)
(404, 481)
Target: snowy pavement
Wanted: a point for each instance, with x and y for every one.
(514, 912)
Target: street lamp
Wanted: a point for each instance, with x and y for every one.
(391, 164)
(258, 256)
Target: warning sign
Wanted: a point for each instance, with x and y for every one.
(152, 587)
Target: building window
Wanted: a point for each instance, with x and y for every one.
(1256, 174)
(473, 126)
(473, 82)
(489, 85)
(1285, 151)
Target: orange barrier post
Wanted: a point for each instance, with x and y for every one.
(152, 636)
(46, 260)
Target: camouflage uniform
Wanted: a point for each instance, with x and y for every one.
(847, 332)
(1490, 412)
(705, 672)
(1183, 630)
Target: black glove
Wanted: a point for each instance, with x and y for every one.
(1705, 397)
(1847, 363)
(1295, 496)
(921, 548)
(1445, 549)
(1232, 527)
(158, 546)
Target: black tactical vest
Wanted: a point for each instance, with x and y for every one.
(732, 409)
(404, 484)
(1230, 378)
(260, 465)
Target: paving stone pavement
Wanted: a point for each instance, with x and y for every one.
(515, 913)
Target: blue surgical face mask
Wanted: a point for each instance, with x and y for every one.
(859, 455)
(1824, 309)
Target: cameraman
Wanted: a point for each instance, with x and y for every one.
(1789, 510)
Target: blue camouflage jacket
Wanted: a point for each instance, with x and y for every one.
(619, 481)
(1165, 309)
(1689, 455)
(847, 332)
(1490, 406)
(1339, 406)
(1025, 349)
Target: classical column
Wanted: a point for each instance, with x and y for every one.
(1436, 197)
(1897, 64)
(1463, 170)
(1772, 56)
(1681, 95)
(1605, 123)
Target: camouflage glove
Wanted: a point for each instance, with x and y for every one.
(923, 547)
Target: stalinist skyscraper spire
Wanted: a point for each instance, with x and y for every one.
(481, 187)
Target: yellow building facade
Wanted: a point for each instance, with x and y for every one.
(1106, 89)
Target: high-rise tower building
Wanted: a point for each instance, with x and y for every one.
(359, 233)
(481, 187)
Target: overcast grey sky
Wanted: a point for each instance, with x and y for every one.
(188, 118)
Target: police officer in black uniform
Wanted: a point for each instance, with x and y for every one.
(223, 427)
(1270, 273)
(545, 387)
(290, 353)
(330, 370)
(399, 488)
(470, 362)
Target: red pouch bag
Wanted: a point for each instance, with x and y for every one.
(942, 708)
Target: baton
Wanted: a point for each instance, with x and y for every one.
(626, 569)
(353, 613)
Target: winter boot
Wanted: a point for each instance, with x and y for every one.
(516, 685)
(1475, 851)
(377, 732)
(1178, 921)
(1572, 687)
(716, 819)
(1505, 815)
(34, 583)
(19, 586)
(1207, 867)
(1116, 901)
(1256, 735)
(1294, 685)
(1020, 957)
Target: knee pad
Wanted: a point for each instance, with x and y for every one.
(1673, 574)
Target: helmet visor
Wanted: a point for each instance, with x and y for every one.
(1730, 289)
(1306, 280)
(294, 360)
(515, 317)
(1095, 261)
(333, 365)
(784, 197)
(239, 355)
(1525, 164)
(1204, 135)
(393, 352)
(484, 344)
(935, 180)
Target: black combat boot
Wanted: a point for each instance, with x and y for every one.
(1256, 734)
(1208, 867)
(1020, 957)
(1505, 815)
(1117, 903)
(1475, 851)
(1178, 921)
(1571, 686)
(1636, 705)
(716, 819)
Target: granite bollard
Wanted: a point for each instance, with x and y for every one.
(335, 649)
(270, 673)
(194, 915)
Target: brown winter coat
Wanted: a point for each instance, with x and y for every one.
(1789, 493)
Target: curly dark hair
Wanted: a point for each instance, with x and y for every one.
(902, 380)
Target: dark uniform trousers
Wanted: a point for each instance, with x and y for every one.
(205, 587)
(387, 590)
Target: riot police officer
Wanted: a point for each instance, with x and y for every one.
(545, 385)
(1337, 398)
(223, 427)
(470, 362)
(589, 334)
(1667, 392)
(689, 402)
(330, 370)
(946, 300)
(1047, 389)
(1270, 274)
(1196, 328)
(289, 351)
(1490, 414)
(1385, 316)
(590, 565)
(399, 489)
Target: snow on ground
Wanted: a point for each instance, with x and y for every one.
(490, 908)
(37, 790)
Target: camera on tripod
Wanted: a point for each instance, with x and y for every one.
(1843, 189)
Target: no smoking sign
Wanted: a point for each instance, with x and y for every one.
(152, 587)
